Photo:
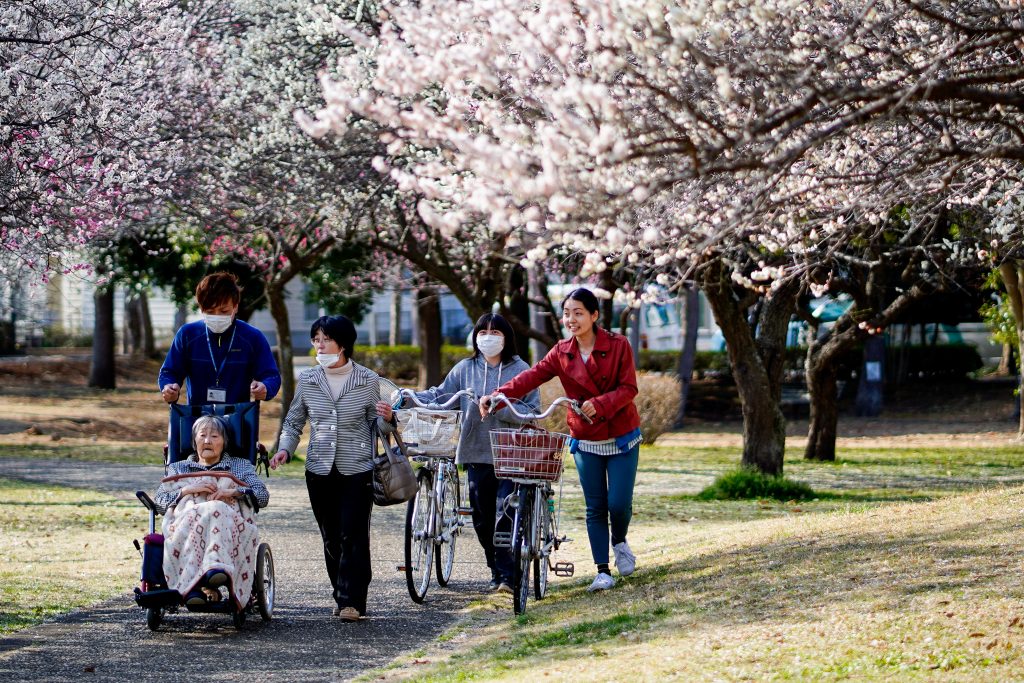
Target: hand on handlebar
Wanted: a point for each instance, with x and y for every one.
(589, 410)
(485, 404)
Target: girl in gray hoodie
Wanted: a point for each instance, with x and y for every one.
(493, 363)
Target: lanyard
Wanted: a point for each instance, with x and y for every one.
(226, 353)
(486, 371)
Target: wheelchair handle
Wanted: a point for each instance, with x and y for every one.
(146, 500)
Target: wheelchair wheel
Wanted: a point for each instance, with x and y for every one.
(263, 585)
(238, 618)
(154, 615)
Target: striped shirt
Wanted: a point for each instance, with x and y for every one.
(340, 434)
(608, 446)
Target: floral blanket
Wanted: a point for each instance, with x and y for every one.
(201, 534)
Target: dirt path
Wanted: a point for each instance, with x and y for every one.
(304, 642)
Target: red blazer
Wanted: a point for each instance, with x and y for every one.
(608, 380)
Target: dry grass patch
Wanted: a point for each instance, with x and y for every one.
(911, 592)
(62, 548)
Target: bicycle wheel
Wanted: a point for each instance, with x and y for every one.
(448, 531)
(545, 545)
(418, 539)
(522, 534)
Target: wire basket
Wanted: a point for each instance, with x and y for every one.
(430, 432)
(528, 453)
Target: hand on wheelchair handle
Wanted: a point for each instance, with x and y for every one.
(170, 393)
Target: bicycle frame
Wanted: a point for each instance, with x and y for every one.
(431, 533)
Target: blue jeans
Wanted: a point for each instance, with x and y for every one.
(607, 482)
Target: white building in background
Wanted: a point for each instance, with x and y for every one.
(66, 304)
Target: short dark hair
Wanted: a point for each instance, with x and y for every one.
(585, 297)
(339, 328)
(216, 289)
(496, 322)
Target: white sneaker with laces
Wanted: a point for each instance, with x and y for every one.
(625, 560)
(602, 582)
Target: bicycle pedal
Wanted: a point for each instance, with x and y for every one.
(465, 512)
(502, 539)
(564, 569)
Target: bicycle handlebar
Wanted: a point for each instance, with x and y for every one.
(572, 403)
(411, 395)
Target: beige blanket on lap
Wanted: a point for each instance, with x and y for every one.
(201, 534)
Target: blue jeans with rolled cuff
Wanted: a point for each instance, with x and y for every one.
(607, 482)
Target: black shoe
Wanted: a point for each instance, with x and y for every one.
(216, 578)
(493, 585)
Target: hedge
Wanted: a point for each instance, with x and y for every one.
(938, 361)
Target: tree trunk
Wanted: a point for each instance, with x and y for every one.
(756, 355)
(429, 305)
(821, 374)
(538, 320)
(180, 316)
(688, 354)
(148, 342)
(634, 335)
(519, 306)
(395, 333)
(102, 369)
(1013, 279)
(1006, 361)
(607, 305)
(279, 312)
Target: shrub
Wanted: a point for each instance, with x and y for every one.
(56, 336)
(657, 403)
(749, 484)
(402, 363)
(667, 362)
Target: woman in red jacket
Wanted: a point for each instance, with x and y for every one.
(596, 368)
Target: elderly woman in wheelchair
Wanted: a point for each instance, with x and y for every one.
(211, 550)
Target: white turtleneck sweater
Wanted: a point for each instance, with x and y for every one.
(338, 379)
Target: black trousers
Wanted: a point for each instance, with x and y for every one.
(486, 494)
(342, 505)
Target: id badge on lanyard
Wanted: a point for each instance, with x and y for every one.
(216, 394)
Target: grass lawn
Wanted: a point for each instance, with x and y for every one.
(905, 568)
(62, 548)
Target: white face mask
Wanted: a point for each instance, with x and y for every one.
(217, 323)
(490, 344)
(327, 359)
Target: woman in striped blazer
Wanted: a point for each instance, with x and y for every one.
(339, 399)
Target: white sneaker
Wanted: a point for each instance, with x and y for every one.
(625, 560)
(602, 582)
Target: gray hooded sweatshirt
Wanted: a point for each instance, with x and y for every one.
(475, 373)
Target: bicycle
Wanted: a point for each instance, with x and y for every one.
(533, 459)
(433, 517)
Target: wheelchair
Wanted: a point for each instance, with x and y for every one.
(153, 594)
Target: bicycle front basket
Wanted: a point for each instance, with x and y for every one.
(528, 453)
(430, 432)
